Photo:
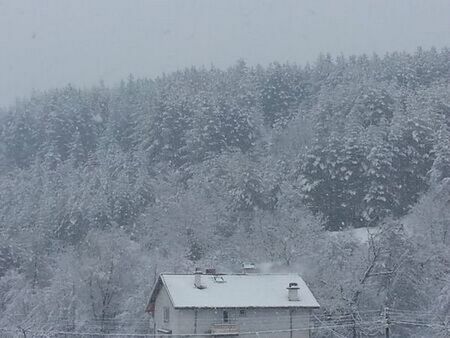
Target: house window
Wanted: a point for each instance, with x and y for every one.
(219, 279)
(166, 314)
(242, 313)
(225, 316)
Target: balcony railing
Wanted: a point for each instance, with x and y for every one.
(225, 329)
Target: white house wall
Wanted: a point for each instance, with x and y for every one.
(162, 301)
(275, 319)
(183, 321)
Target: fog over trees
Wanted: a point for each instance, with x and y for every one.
(103, 188)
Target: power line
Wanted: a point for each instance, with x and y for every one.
(376, 321)
(196, 334)
(336, 333)
(277, 316)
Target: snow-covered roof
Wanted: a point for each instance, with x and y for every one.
(361, 235)
(235, 291)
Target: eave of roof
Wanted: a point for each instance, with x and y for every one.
(155, 290)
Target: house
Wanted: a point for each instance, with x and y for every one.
(231, 304)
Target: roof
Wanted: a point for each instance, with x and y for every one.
(236, 291)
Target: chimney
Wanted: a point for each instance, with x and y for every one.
(248, 268)
(293, 292)
(198, 278)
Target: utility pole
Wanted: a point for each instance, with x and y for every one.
(387, 322)
(290, 322)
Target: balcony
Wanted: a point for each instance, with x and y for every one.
(225, 329)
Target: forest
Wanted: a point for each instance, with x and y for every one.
(338, 170)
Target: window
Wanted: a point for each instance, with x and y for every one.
(219, 279)
(225, 316)
(166, 314)
(242, 313)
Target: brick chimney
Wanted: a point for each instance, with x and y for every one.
(211, 271)
(248, 268)
(293, 292)
(198, 278)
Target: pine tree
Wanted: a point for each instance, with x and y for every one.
(412, 160)
(321, 185)
(352, 163)
(441, 164)
(282, 89)
(379, 199)
(19, 139)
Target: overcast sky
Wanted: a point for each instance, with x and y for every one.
(47, 44)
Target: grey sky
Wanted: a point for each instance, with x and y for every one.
(47, 44)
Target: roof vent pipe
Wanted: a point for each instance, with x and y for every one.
(293, 292)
